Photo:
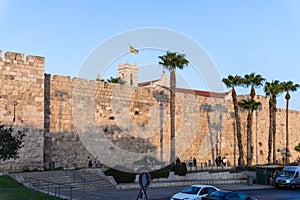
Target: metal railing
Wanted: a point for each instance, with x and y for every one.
(76, 176)
(54, 189)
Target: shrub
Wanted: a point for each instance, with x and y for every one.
(180, 169)
(293, 164)
(160, 173)
(120, 176)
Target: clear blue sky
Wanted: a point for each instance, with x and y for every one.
(240, 36)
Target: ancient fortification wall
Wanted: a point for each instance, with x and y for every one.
(67, 120)
(22, 105)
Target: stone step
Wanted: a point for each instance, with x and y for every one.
(60, 180)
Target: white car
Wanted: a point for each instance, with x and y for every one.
(194, 192)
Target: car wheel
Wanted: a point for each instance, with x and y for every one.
(293, 186)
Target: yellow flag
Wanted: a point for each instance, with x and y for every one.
(133, 50)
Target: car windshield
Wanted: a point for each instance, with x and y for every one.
(191, 190)
(218, 194)
(287, 173)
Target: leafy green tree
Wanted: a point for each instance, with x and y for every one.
(250, 105)
(288, 87)
(232, 82)
(173, 61)
(10, 142)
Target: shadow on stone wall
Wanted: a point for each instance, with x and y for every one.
(214, 117)
(72, 150)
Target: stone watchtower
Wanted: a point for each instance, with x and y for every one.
(128, 73)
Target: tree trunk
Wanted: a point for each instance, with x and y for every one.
(238, 128)
(249, 138)
(172, 113)
(252, 92)
(287, 151)
(270, 132)
(274, 130)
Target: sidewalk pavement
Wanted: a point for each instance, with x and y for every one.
(239, 186)
(244, 186)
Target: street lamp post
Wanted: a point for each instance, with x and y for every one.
(15, 103)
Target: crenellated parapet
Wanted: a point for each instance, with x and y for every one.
(22, 105)
(14, 57)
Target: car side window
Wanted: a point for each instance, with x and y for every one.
(243, 196)
(211, 189)
(233, 196)
(204, 191)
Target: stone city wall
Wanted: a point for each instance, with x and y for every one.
(137, 120)
(69, 119)
(22, 106)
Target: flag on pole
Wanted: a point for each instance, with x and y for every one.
(133, 50)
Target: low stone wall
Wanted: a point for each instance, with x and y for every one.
(208, 176)
(192, 179)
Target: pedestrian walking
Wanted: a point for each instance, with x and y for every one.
(90, 163)
(195, 163)
(191, 163)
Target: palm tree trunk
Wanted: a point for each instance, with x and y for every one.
(270, 132)
(287, 156)
(238, 128)
(274, 131)
(249, 139)
(172, 113)
(234, 144)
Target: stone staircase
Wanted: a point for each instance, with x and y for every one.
(65, 183)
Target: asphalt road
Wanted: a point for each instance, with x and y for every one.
(263, 194)
(166, 193)
(274, 194)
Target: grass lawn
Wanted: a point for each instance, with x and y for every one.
(10, 189)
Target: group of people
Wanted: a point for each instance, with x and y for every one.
(221, 161)
(96, 162)
(192, 162)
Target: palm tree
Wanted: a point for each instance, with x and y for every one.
(287, 87)
(297, 148)
(277, 89)
(118, 80)
(250, 105)
(253, 80)
(267, 89)
(272, 90)
(231, 82)
(171, 61)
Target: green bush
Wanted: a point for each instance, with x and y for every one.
(294, 164)
(180, 169)
(160, 173)
(121, 176)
